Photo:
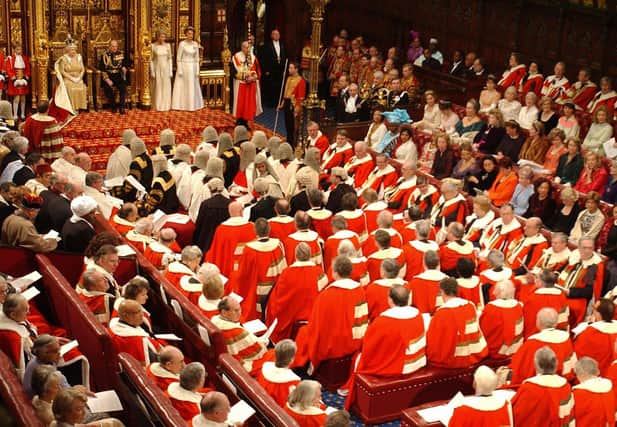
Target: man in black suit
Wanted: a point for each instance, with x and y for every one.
(430, 62)
(26, 173)
(57, 185)
(457, 68)
(78, 230)
(272, 58)
(342, 98)
(338, 176)
(264, 208)
(59, 208)
(397, 98)
(470, 58)
(352, 105)
(7, 197)
(212, 212)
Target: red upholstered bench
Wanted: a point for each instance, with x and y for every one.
(144, 402)
(16, 261)
(187, 323)
(75, 316)
(333, 373)
(14, 398)
(380, 400)
(238, 384)
(411, 418)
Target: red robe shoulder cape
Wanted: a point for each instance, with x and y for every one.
(491, 277)
(160, 255)
(371, 212)
(380, 179)
(320, 142)
(501, 323)
(580, 94)
(277, 382)
(424, 201)
(359, 169)
(333, 242)
(578, 276)
(356, 222)
(469, 289)
(594, 403)
(447, 211)
(377, 295)
(208, 307)
(598, 342)
(320, 221)
(554, 86)
(374, 261)
(228, 243)
(185, 280)
(482, 411)
(100, 303)
(454, 338)
(397, 196)
(309, 417)
(425, 290)
(474, 226)
(300, 281)
(261, 263)
(545, 297)
(451, 252)
(336, 156)
(543, 401)
(281, 227)
(241, 344)
(309, 237)
(133, 340)
(414, 254)
(247, 100)
(370, 246)
(559, 341)
(185, 401)
(121, 225)
(161, 376)
(329, 337)
(512, 76)
(498, 235)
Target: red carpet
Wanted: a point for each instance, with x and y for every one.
(99, 134)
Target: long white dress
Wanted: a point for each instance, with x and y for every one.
(161, 70)
(187, 91)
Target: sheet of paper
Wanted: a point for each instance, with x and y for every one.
(68, 347)
(115, 201)
(436, 413)
(168, 337)
(266, 337)
(23, 282)
(125, 250)
(255, 326)
(178, 218)
(114, 182)
(30, 293)
(236, 297)
(203, 333)
(104, 401)
(136, 184)
(159, 219)
(240, 412)
(53, 234)
(329, 410)
(609, 148)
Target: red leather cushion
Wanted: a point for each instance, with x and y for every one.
(13, 396)
(248, 389)
(138, 391)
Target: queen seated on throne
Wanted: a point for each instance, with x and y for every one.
(71, 93)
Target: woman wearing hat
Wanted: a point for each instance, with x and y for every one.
(18, 228)
(187, 91)
(41, 182)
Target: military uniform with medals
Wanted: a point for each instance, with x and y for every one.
(111, 65)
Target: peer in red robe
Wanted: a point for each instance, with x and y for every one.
(377, 294)
(371, 213)
(182, 276)
(482, 411)
(550, 297)
(133, 340)
(469, 288)
(160, 255)
(359, 272)
(414, 252)
(454, 338)
(308, 417)
(397, 196)
(425, 197)
(247, 98)
(185, 401)
(543, 400)
(228, 243)
(309, 237)
(453, 250)
(381, 177)
(241, 344)
(359, 167)
(330, 337)
(554, 85)
(594, 403)
(424, 287)
(317, 139)
(513, 75)
(281, 226)
(356, 222)
(400, 329)
(161, 376)
(370, 246)
(261, 263)
(320, 221)
(606, 97)
(501, 323)
(559, 341)
(122, 225)
(277, 381)
(580, 93)
(332, 243)
(373, 262)
(99, 302)
(336, 155)
(499, 234)
(475, 226)
(449, 210)
(597, 339)
(45, 135)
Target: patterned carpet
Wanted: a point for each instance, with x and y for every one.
(99, 133)
(336, 401)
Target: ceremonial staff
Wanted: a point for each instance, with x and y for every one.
(276, 118)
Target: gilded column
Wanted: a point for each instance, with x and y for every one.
(145, 54)
(317, 15)
(41, 51)
(226, 59)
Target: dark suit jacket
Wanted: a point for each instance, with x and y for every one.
(23, 175)
(5, 211)
(59, 212)
(299, 202)
(267, 59)
(10, 157)
(459, 70)
(212, 212)
(76, 236)
(264, 208)
(432, 64)
(43, 221)
(334, 200)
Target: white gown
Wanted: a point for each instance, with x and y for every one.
(161, 70)
(187, 91)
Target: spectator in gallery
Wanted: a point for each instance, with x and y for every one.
(571, 163)
(554, 152)
(528, 114)
(610, 192)
(490, 96)
(512, 142)
(547, 115)
(535, 145)
(484, 179)
(566, 213)
(590, 221)
(509, 105)
(593, 176)
(487, 140)
(568, 122)
(600, 131)
(431, 118)
(541, 203)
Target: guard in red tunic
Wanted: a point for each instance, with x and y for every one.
(546, 398)
(594, 402)
(247, 97)
(485, 409)
(167, 369)
(454, 338)
(18, 72)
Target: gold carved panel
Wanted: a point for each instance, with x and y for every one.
(115, 4)
(15, 5)
(16, 35)
(184, 5)
(183, 22)
(161, 16)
